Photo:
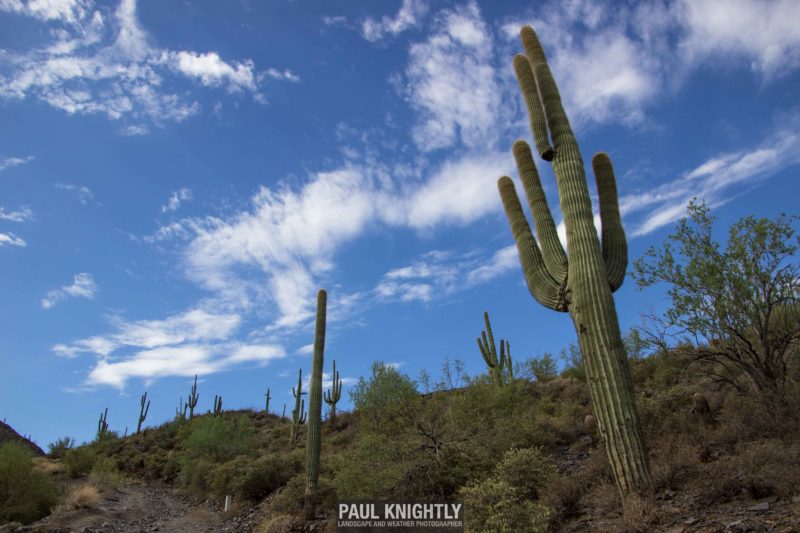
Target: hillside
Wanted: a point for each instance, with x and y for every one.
(735, 467)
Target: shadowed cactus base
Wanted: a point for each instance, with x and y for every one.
(581, 280)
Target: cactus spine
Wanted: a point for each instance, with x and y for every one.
(334, 394)
(583, 284)
(489, 352)
(266, 409)
(191, 401)
(298, 413)
(217, 405)
(315, 408)
(102, 424)
(142, 412)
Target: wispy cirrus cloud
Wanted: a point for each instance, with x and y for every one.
(20, 215)
(613, 61)
(83, 286)
(9, 239)
(196, 341)
(409, 15)
(10, 162)
(81, 192)
(176, 199)
(104, 62)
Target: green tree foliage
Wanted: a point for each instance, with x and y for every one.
(57, 449)
(25, 493)
(736, 307)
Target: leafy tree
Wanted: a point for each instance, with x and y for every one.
(737, 305)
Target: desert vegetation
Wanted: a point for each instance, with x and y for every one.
(690, 419)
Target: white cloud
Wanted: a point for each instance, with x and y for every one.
(9, 162)
(69, 11)
(181, 195)
(110, 65)
(83, 193)
(765, 33)
(9, 239)
(186, 360)
(212, 71)
(83, 286)
(452, 84)
(374, 30)
(21, 215)
(283, 75)
(716, 181)
(611, 61)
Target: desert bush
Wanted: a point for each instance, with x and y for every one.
(25, 494)
(494, 506)
(639, 514)
(83, 496)
(219, 438)
(542, 368)
(196, 475)
(508, 499)
(262, 477)
(106, 473)
(56, 449)
(79, 461)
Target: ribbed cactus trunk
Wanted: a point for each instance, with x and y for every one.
(315, 408)
(582, 280)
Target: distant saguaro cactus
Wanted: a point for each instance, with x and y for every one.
(581, 281)
(102, 424)
(266, 409)
(191, 401)
(489, 352)
(180, 411)
(334, 394)
(315, 408)
(142, 412)
(217, 405)
(298, 413)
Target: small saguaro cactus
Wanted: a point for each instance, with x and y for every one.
(581, 280)
(284, 411)
(102, 424)
(142, 412)
(298, 413)
(191, 401)
(334, 394)
(180, 411)
(266, 409)
(217, 405)
(315, 408)
(488, 349)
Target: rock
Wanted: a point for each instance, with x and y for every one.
(762, 506)
(689, 521)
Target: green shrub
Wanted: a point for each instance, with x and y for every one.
(79, 461)
(507, 500)
(25, 493)
(267, 474)
(543, 368)
(106, 472)
(219, 438)
(494, 506)
(197, 475)
(57, 449)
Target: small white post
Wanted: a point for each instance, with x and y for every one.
(228, 500)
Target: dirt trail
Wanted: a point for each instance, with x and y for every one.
(140, 508)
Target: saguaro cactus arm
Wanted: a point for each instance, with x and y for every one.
(593, 270)
(191, 401)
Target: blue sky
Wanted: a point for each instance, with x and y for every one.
(178, 179)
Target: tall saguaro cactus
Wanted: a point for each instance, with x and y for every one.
(266, 409)
(217, 405)
(191, 401)
(489, 352)
(582, 280)
(315, 407)
(334, 394)
(142, 412)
